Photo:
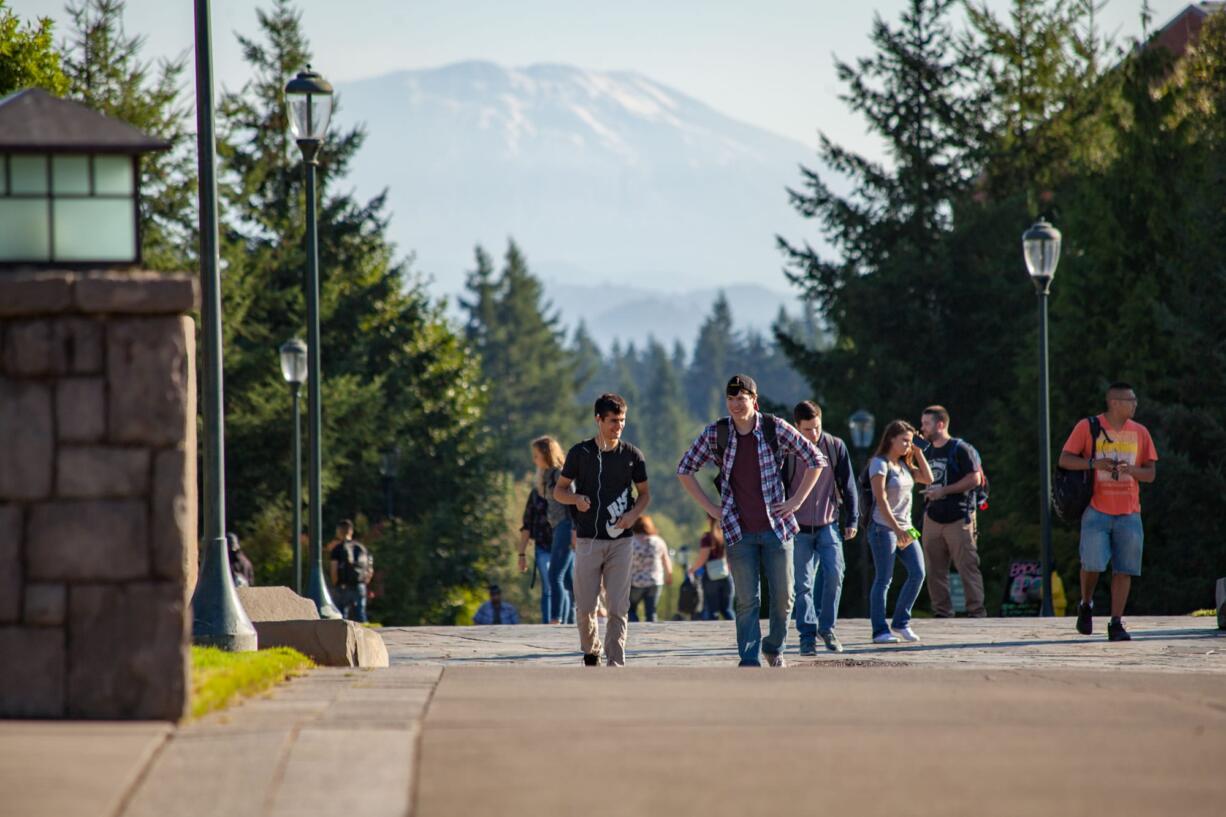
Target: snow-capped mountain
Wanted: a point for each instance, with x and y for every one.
(606, 180)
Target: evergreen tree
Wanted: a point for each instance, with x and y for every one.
(710, 364)
(105, 72)
(28, 58)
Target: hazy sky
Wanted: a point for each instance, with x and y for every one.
(768, 63)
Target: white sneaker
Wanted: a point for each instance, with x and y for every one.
(907, 634)
(885, 638)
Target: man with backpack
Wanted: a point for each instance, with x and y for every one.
(352, 569)
(818, 555)
(1121, 455)
(950, 530)
(756, 515)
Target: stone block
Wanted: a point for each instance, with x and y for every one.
(128, 651)
(10, 563)
(45, 605)
(32, 672)
(276, 604)
(36, 348)
(27, 440)
(149, 369)
(80, 409)
(88, 540)
(329, 642)
(93, 472)
(35, 293)
(132, 293)
(173, 535)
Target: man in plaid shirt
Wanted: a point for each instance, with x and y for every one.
(754, 512)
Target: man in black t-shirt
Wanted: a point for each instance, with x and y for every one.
(950, 532)
(609, 479)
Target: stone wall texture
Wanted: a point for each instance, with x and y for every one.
(97, 494)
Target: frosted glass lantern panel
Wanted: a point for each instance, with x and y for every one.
(1042, 255)
(113, 176)
(70, 175)
(23, 230)
(27, 174)
(309, 115)
(95, 230)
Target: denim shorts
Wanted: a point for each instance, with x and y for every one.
(1109, 538)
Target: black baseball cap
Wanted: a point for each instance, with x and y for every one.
(740, 383)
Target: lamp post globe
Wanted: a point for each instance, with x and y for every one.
(308, 97)
(862, 424)
(294, 370)
(1041, 253)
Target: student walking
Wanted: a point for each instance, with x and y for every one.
(818, 554)
(1121, 454)
(717, 587)
(535, 526)
(559, 567)
(893, 471)
(609, 477)
(650, 568)
(755, 513)
(950, 527)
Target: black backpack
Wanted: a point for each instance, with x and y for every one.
(770, 431)
(978, 496)
(1071, 491)
(356, 565)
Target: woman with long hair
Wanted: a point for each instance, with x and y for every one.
(716, 578)
(548, 457)
(893, 471)
(650, 568)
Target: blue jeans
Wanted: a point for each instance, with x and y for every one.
(561, 572)
(351, 601)
(1118, 539)
(818, 565)
(649, 596)
(754, 553)
(717, 599)
(542, 567)
(884, 544)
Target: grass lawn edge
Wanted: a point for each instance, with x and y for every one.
(221, 678)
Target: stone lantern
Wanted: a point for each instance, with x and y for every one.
(97, 427)
(69, 184)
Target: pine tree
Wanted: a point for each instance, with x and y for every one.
(28, 59)
(105, 71)
(710, 365)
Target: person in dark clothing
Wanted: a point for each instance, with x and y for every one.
(241, 568)
(352, 570)
(535, 526)
(717, 585)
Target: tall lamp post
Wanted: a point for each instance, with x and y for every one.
(862, 424)
(1041, 250)
(389, 464)
(218, 617)
(309, 98)
(294, 370)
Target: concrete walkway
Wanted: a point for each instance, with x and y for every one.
(994, 717)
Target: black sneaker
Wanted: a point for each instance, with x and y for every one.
(1085, 619)
(808, 646)
(1116, 631)
(832, 642)
(591, 659)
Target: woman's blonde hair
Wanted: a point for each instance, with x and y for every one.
(644, 526)
(551, 453)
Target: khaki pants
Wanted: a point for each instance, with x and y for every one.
(952, 542)
(607, 559)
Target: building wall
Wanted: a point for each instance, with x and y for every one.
(97, 494)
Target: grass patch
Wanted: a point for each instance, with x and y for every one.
(1204, 613)
(220, 677)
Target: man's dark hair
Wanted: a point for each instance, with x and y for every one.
(807, 410)
(609, 403)
(346, 524)
(939, 413)
(1119, 385)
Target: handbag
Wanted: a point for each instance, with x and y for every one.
(717, 568)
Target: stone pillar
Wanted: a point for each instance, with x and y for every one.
(97, 494)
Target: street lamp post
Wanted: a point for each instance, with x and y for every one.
(294, 370)
(309, 98)
(389, 464)
(218, 617)
(1041, 250)
(862, 424)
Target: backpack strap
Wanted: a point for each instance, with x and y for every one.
(721, 439)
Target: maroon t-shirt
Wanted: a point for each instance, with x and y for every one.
(747, 486)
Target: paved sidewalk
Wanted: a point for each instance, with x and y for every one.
(994, 717)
